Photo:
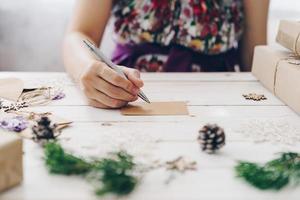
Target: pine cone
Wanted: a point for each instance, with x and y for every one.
(44, 121)
(43, 130)
(211, 138)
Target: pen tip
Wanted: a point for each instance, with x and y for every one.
(143, 96)
(147, 100)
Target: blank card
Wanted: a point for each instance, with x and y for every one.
(155, 108)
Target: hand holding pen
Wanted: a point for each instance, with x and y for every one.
(105, 88)
(112, 65)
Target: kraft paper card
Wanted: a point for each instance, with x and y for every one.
(155, 108)
(11, 88)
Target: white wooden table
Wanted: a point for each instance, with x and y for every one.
(212, 98)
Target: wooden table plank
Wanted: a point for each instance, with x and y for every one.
(208, 113)
(187, 77)
(185, 131)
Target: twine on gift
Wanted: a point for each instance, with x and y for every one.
(39, 96)
(31, 115)
(291, 59)
(33, 97)
(295, 45)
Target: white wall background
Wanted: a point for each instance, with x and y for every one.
(31, 31)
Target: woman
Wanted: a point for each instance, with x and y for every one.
(161, 35)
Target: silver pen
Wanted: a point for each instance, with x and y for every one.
(109, 63)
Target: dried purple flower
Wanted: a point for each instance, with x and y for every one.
(59, 95)
(16, 124)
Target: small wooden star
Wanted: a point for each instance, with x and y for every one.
(181, 164)
(254, 97)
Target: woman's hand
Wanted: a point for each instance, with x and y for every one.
(104, 88)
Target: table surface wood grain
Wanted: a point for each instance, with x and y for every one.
(211, 98)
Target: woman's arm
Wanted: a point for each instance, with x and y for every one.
(103, 87)
(256, 18)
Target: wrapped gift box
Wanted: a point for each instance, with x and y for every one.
(278, 71)
(11, 169)
(289, 35)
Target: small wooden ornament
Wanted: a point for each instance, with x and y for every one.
(254, 97)
(181, 164)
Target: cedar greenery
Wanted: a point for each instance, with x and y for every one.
(114, 173)
(275, 174)
(116, 177)
(60, 162)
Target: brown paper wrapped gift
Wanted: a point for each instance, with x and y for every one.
(279, 72)
(289, 35)
(11, 169)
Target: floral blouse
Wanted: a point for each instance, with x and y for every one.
(206, 26)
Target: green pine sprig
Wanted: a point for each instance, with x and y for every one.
(275, 174)
(60, 162)
(114, 173)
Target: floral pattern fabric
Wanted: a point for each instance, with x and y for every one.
(205, 26)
